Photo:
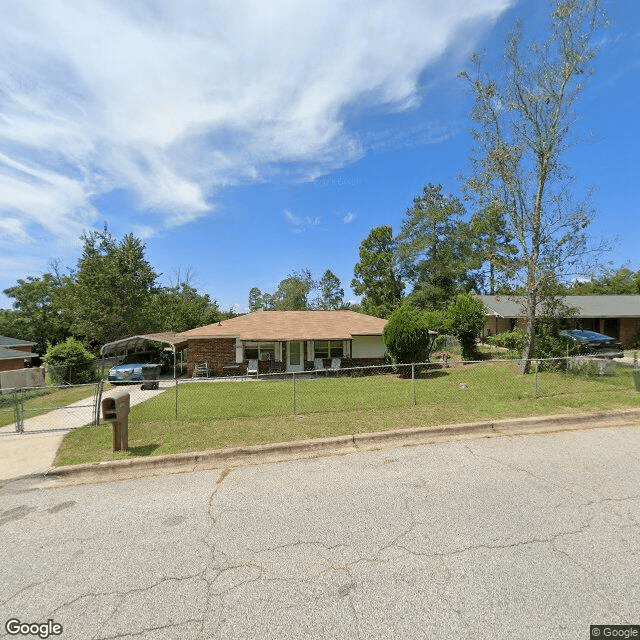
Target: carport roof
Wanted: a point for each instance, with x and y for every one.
(135, 342)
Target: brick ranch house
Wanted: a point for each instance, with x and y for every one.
(615, 316)
(13, 353)
(286, 341)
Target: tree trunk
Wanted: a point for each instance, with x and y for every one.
(530, 336)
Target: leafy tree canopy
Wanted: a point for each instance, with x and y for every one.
(38, 312)
(435, 249)
(620, 282)
(112, 288)
(376, 275)
(331, 292)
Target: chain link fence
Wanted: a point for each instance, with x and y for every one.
(33, 409)
(454, 389)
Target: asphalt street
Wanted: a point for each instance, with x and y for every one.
(530, 537)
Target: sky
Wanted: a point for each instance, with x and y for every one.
(243, 141)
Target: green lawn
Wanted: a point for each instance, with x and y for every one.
(43, 400)
(226, 414)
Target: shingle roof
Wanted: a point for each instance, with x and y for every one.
(292, 325)
(14, 354)
(587, 306)
(14, 342)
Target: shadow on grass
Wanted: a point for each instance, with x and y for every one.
(145, 450)
(432, 373)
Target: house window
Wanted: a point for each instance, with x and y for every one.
(259, 351)
(328, 349)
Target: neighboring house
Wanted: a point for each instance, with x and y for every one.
(615, 316)
(286, 341)
(13, 353)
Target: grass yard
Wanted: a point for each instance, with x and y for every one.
(228, 414)
(42, 400)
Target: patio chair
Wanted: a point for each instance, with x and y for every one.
(318, 365)
(335, 364)
(201, 370)
(252, 368)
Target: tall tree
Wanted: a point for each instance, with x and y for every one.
(180, 308)
(331, 291)
(524, 120)
(255, 299)
(623, 281)
(112, 288)
(38, 312)
(292, 293)
(493, 246)
(376, 275)
(435, 249)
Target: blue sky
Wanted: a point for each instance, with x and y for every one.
(245, 140)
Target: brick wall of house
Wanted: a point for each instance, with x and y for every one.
(630, 332)
(21, 347)
(496, 325)
(11, 364)
(218, 352)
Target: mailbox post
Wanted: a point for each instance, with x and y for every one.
(115, 409)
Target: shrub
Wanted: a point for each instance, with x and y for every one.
(513, 340)
(465, 319)
(70, 363)
(406, 335)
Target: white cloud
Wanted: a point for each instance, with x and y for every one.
(348, 217)
(173, 100)
(302, 222)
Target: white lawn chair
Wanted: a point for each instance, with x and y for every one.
(201, 370)
(335, 364)
(318, 365)
(252, 368)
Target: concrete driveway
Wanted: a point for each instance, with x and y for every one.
(528, 537)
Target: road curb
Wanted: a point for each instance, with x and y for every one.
(339, 445)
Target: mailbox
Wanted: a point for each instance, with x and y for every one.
(115, 409)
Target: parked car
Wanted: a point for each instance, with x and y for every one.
(130, 369)
(594, 344)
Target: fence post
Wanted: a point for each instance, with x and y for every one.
(413, 382)
(99, 391)
(293, 378)
(19, 411)
(537, 382)
(176, 381)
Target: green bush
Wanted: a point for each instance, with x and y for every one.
(406, 335)
(513, 340)
(70, 363)
(465, 319)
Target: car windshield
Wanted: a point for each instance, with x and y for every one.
(139, 358)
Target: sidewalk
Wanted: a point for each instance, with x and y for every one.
(34, 451)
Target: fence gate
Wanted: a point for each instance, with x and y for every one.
(35, 409)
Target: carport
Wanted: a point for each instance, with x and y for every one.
(133, 344)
